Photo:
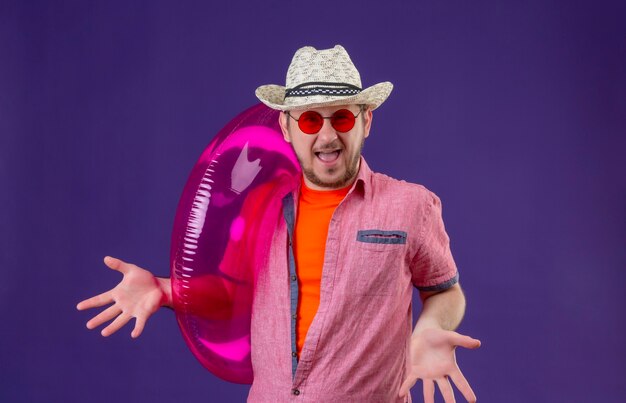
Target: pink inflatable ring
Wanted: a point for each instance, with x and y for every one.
(224, 223)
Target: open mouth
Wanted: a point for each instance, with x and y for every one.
(328, 156)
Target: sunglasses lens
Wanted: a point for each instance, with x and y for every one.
(343, 120)
(310, 122)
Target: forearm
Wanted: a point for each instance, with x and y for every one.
(443, 310)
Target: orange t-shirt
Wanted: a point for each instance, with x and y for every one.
(315, 209)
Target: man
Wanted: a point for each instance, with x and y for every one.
(332, 314)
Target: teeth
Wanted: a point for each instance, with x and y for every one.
(327, 152)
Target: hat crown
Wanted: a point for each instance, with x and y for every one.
(319, 78)
(310, 65)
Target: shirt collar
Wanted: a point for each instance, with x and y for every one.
(362, 184)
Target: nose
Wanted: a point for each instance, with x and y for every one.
(327, 133)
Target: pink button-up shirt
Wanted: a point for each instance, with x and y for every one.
(385, 237)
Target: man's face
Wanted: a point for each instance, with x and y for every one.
(329, 158)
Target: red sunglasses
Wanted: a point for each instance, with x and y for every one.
(311, 122)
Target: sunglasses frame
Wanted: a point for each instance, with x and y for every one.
(361, 108)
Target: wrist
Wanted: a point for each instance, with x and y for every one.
(166, 288)
(424, 324)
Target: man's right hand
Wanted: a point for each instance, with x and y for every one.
(138, 296)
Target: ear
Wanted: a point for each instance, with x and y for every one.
(368, 121)
(282, 122)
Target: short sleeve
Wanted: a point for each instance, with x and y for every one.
(432, 267)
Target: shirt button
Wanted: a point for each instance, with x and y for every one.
(295, 392)
(294, 316)
(294, 354)
(293, 278)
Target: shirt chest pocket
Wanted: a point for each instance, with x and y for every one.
(374, 238)
(377, 262)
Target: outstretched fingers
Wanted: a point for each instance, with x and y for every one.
(446, 390)
(106, 297)
(116, 325)
(140, 323)
(104, 316)
(429, 391)
(407, 385)
(99, 300)
(463, 386)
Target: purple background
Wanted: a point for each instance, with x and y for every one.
(514, 113)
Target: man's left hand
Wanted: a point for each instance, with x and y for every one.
(433, 360)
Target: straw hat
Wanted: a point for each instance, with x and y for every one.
(317, 78)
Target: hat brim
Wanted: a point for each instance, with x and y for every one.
(274, 97)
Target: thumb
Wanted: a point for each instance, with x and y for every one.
(465, 341)
(116, 264)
